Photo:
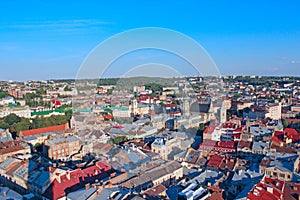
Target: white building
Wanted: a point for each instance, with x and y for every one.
(222, 112)
(7, 100)
(20, 111)
(163, 146)
(120, 111)
(274, 111)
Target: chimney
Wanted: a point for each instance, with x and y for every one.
(68, 175)
(112, 175)
(58, 178)
(24, 163)
(4, 193)
(269, 189)
(87, 186)
(50, 169)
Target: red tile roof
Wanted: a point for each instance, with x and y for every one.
(76, 179)
(215, 161)
(11, 147)
(44, 130)
(172, 105)
(229, 144)
(118, 127)
(56, 102)
(217, 146)
(108, 117)
(268, 189)
(229, 125)
(155, 191)
(243, 144)
(291, 191)
(278, 137)
(209, 130)
(292, 133)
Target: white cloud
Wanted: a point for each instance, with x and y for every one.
(293, 62)
(61, 25)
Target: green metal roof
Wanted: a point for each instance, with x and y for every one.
(46, 112)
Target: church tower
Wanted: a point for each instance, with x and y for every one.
(186, 107)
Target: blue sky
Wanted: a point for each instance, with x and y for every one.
(50, 39)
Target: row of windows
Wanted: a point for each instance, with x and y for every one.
(281, 175)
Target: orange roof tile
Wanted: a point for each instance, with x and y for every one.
(44, 130)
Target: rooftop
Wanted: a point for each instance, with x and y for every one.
(44, 130)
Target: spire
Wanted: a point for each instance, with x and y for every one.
(152, 110)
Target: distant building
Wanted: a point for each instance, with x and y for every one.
(21, 111)
(206, 109)
(211, 145)
(62, 148)
(7, 100)
(222, 114)
(260, 147)
(5, 135)
(133, 131)
(119, 111)
(186, 122)
(164, 146)
(274, 111)
(139, 88)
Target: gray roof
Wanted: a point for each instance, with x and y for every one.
(181, 154)
(248, 187)
(10, 194)
(260, 145)
(153, 174)
(28, 138)
(42, 179)
(59, 139)
(257, 131)
(23, 170)
(7, 138)
(207, 175)
(284, 162)
(7, 162)
(133, 157)
(81, 194)
(245, 176)
(200, 107)
(106, 193)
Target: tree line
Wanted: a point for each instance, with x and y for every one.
(15, 123)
